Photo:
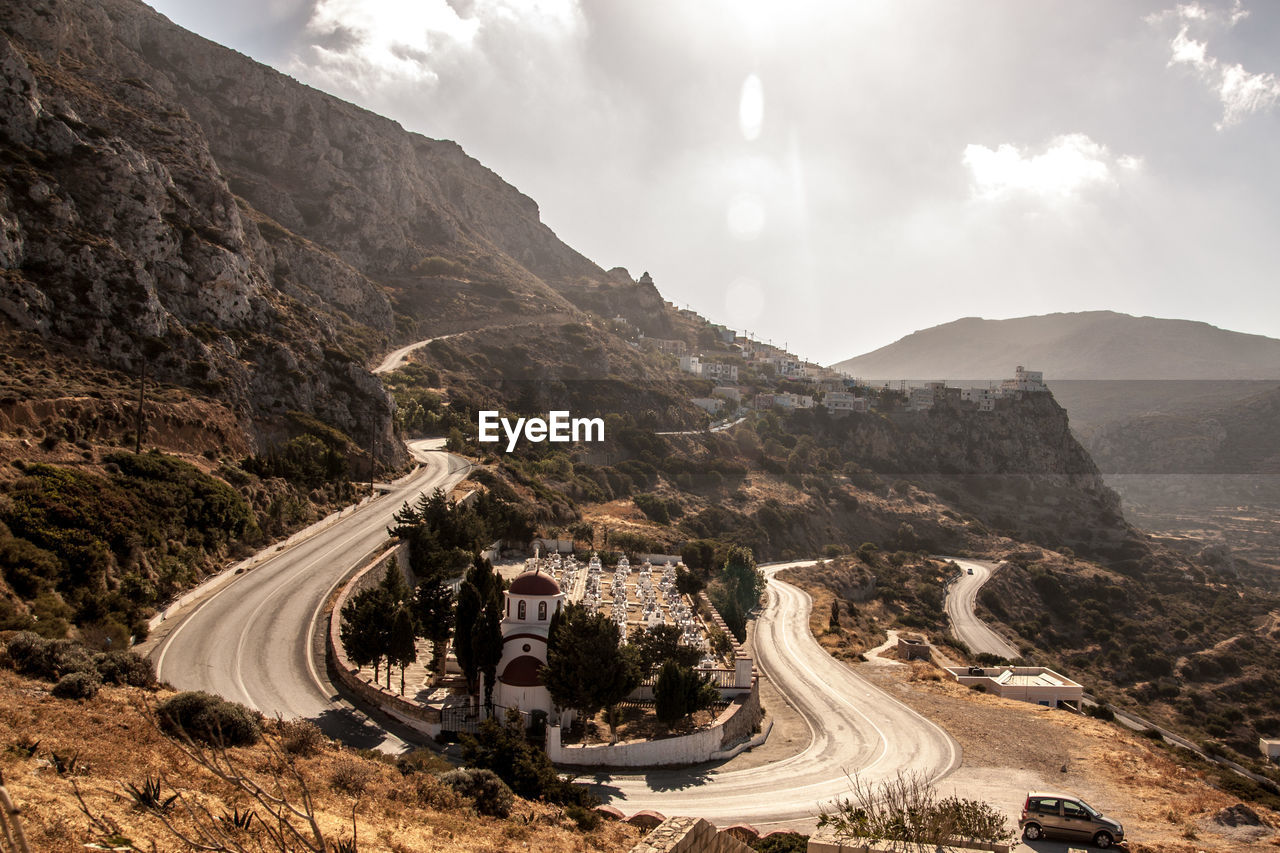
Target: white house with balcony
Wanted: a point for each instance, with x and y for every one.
(719, 372)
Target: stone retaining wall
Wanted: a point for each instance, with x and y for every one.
(423, 719)
(688, 835)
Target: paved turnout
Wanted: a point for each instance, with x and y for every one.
(856, 728)
(255, 640)
(962, 599)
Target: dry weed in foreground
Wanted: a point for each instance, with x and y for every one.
(12, 837)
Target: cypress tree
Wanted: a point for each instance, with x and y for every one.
(402, 650)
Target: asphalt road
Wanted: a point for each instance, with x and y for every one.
(962, 599)
(856, 729)
(254, 640)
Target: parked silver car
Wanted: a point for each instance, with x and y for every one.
(1067, 816)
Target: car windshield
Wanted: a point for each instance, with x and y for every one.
(1090, 809)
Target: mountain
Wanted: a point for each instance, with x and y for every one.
(1091, 345)
(168, 205)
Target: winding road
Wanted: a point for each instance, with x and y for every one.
(962, 599)
(256, 639)
(856, 728)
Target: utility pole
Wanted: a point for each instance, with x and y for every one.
(142, 390)
(373, 448)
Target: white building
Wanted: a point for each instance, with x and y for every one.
(719, 372)
(920, 399)
(530, 602)
(793, 401)
(1026, 683)
(843, 402)
(691, 364)
(984, 397)
(711, 404)
(1024, 380)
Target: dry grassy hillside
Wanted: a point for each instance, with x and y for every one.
(113, 744)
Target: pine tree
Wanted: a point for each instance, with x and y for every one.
(587, 668)
(402, 650)
(833, 623)
(394, 583)
(364, 630)
(433, 607)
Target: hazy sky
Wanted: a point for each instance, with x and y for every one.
(836, 175)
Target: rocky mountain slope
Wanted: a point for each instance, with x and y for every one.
(166, 201)
(1084, 345)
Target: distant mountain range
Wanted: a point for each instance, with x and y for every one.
(1084, 345)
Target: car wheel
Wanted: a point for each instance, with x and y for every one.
(1103, 840)
(1032, 832)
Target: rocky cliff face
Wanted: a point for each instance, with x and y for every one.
(1018, 469)
(167, 200)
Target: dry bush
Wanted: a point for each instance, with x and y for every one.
(431, 792)
(301, 737)
(351, 776)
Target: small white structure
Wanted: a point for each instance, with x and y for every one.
(1026, 683)
(1030, 381)
(711, 404)
(533, 598)
(691, 364)
(1270, 748)
(984, 397)
(719, 372)
(844, 402)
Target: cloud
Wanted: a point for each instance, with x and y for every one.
(358, 45)
(1240, 91)
(1068, 166)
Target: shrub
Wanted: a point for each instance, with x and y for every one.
(48, 659)
(1101, 712)
(586, 819)
(422, 760)
(125, 668)
(351, 776)
(301, 737)
(430, 791)
(77, 685)
(207, 718)
(490, 794)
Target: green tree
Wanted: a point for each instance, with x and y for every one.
(433, 607)
(679, 692)
(466, 615)
(394, 583)
(503, 748)
(587, 669)
(742, 579)
(661, 643)
(689, 583)
(479, 586)
(486, 645)
(364, 631)
(401, 648)
(833, 622)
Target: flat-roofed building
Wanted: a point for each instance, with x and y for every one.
(1036, 684)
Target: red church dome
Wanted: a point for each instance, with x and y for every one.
(535, 583)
